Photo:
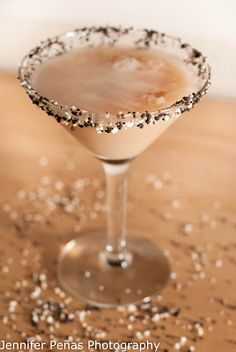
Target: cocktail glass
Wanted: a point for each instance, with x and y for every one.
(114, 269)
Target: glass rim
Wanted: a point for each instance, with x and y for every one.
(73, 116)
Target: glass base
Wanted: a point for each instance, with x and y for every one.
(85, 275)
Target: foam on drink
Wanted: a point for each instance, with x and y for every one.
(113, 79)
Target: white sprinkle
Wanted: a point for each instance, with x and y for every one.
(173, 275)
(21, 194)
(183, 340)
(87, 274)
(98, 130)
(195, 256)
(70, 34)
(12, 306)
(114, 130)
(200, 331)
(205, 218)
(156, 317)
(68, 300)
(188, 228)
(167, 252)
(176, 204)
(24, 283)
(17, 284)
(50, 319)
(79, 184)
(219, 263)
(5, 269)
(139, 335)
(132, 318)
(177, 346)
(167, 216)
(59, 185)
(129, 124)
(5, 320)
(166, 117)
(146, 299)
(36, 293)
(44, 285)
(82, 315)
(6, 208)
(57, 290)
(198, 267)
(147, 333)
(120, 309)
(202, 275)
(158, 184)
(132, 308)
(69, 208)
(42, 277)
(35, 318)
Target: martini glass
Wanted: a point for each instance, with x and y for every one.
(113, 269)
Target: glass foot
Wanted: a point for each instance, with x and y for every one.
(84, 274)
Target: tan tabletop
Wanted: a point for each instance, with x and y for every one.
(182, 196)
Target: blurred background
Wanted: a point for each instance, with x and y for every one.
(208, 25)
(192, 166)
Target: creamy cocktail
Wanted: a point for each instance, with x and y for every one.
(107, 80)
(115, 90)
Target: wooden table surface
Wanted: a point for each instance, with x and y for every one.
(187, 177)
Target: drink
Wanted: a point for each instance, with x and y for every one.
(116, 90)
(114, 79)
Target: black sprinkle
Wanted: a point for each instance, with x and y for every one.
(119, 125)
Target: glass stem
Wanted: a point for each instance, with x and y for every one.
(116, 178)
